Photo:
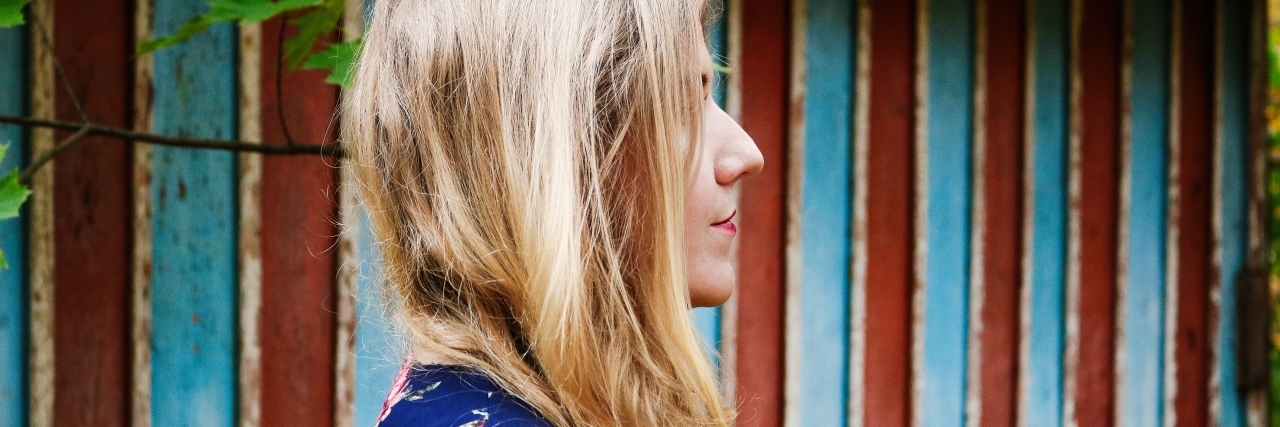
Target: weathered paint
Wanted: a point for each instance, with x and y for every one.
(140, 328)
(763, 67)
(194, 252)
(944, 169)
(1232, 203)
(378, 353)
(1094, 206)
(297, 240)
(41, 389)
(13, 288)
(93, 211)
(1192, 184)
(1144, 202)
(249, 394)
(824, 135)
(888, 240)
(998, 192)
(1044, 263)
(857, 390)
(347, 276)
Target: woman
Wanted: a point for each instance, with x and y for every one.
(551, 186)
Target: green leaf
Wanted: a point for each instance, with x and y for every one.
(338, 58)
(248, 11)
(188, 30)
(12, 195)
(318, 22)
(11, 13)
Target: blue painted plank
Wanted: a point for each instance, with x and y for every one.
(1235, 200)
(193, 350)
(1141, 398)
(379, 353)
(947, 225)
(1042, 372)
(13, 291)
(826, 218)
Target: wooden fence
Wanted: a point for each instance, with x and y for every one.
(973, 213)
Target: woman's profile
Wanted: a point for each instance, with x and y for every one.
(552, 190)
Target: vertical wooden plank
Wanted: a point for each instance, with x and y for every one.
(1255, 331)
(819, 338)
(886, 239)
(378, 354)
(944, 170)
(347, 277)
(1094, 206)
(13, 233)
(93, 212)
(1044, 265)
(1192, 190)
(733, 106)
(194, 205)
(764, 68)
(140, 397)
(297, 235)
(857, 388)
(1232, 200)
(40, 249)
(1144, 203)
(998, 231)
(249, 261)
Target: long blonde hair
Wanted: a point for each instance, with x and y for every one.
(524, 165)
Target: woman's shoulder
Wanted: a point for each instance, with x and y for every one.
(452, 396)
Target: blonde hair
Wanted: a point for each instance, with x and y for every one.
(524, 165)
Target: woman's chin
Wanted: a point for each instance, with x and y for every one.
(710, 295)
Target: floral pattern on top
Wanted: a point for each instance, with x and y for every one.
(452, 396)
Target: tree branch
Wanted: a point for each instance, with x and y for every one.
(24, 177)
(178, 141)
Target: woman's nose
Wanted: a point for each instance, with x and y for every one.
(737, 155)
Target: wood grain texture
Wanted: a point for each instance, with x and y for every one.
(40, 244)
(999, 263)
(1094, 207)
(140, 328)
(1192, 184)
(346, 258)
(93, 212)
(764, 73)
(298, 211)
(249, 220)
(1040, 380)
(13, 234)
(888, 243)
(1144, 211)
(193, 193)
(819, 340)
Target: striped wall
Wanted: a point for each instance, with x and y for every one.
(973, 213)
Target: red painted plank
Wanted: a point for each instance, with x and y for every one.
(1099, 69)
(298, 239)
(93, 217)
(1194, 180)
(890, 206)
(1002, 231)
(764, 80)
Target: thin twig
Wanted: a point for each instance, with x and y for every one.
(280, 62)
(178, 141)
(57, 69)
(24, 177)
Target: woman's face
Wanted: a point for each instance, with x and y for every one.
(727, 156)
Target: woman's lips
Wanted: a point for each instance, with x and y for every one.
(727, 224)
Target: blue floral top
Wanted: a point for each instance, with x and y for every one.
(452, 396)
